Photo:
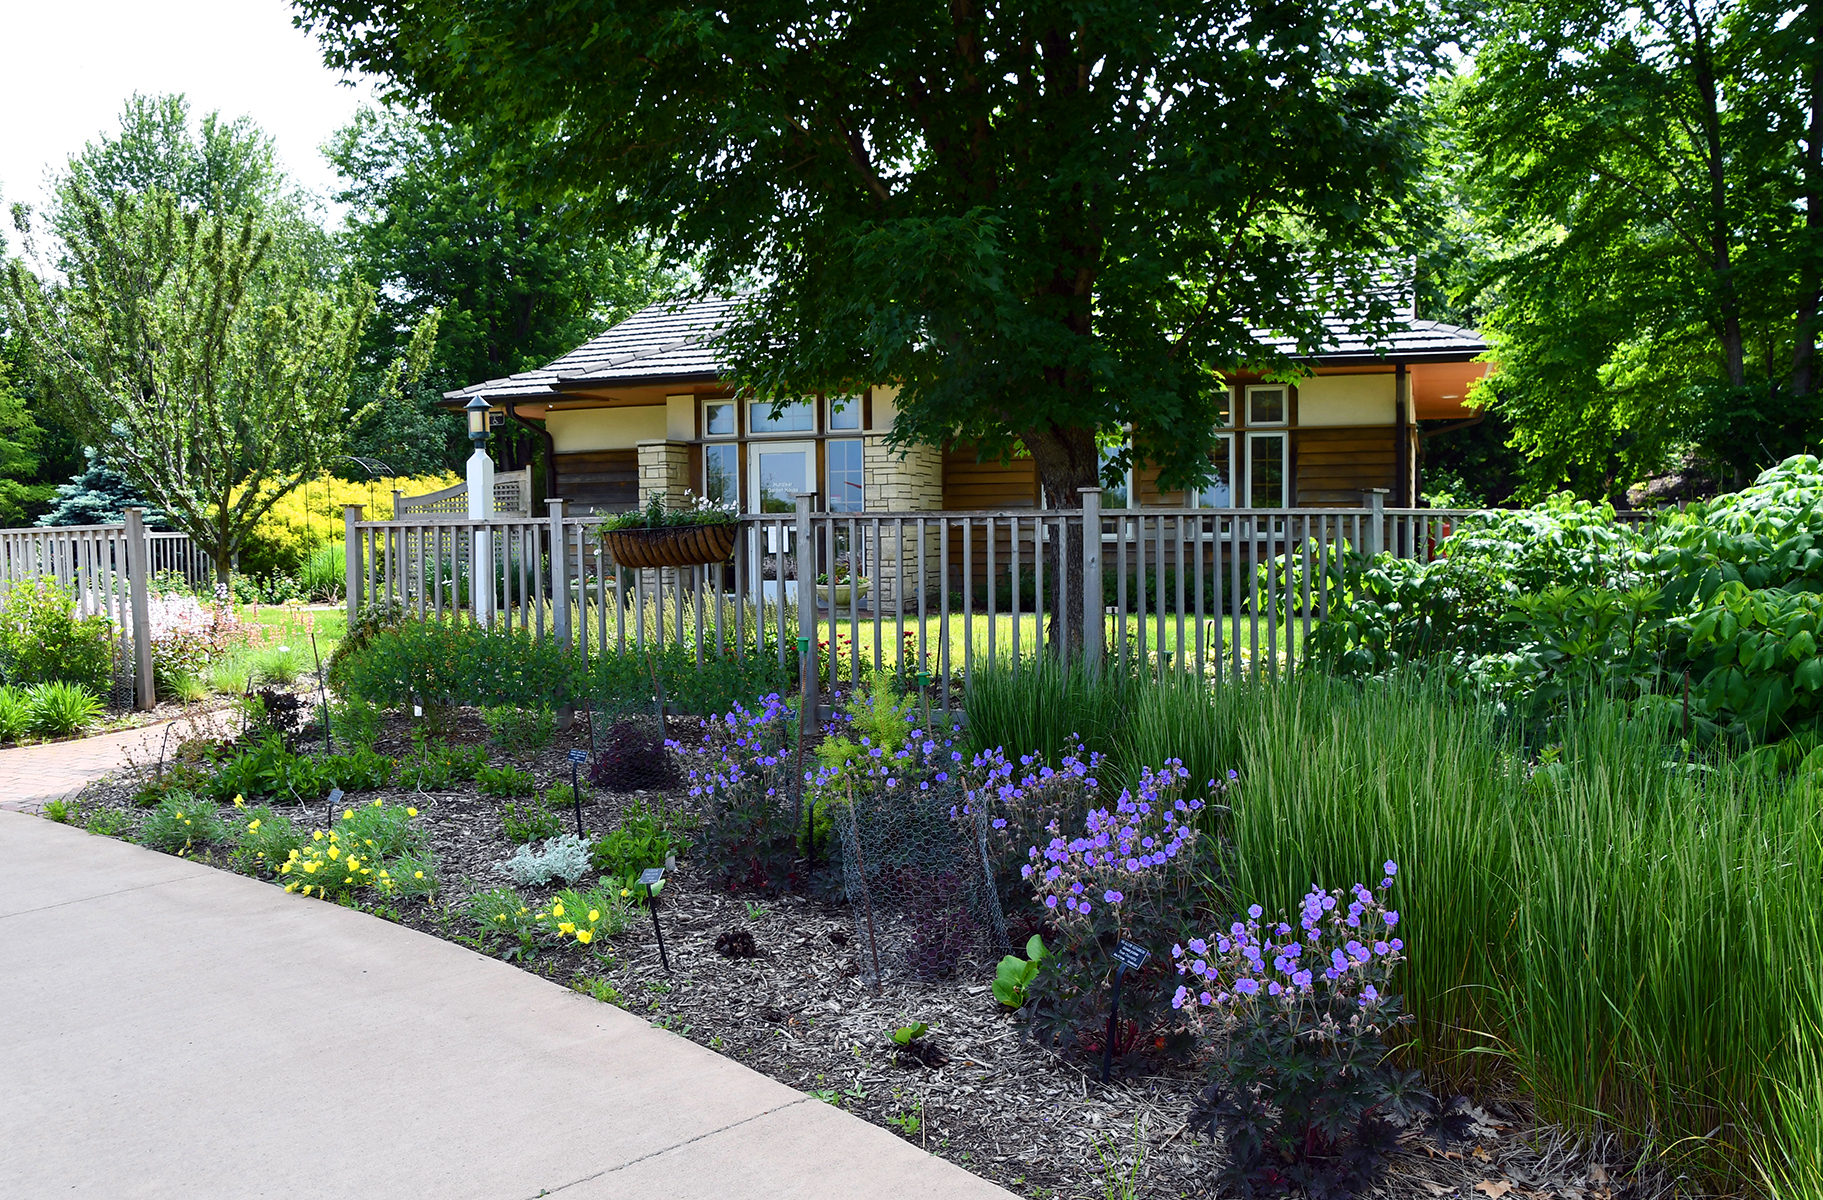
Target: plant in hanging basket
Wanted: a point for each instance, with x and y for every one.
(656, 536)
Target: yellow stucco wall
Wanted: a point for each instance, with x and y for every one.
(884, 408)
(579, 429)
(1346, 400)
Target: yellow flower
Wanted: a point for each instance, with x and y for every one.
(306, 889)
(253, 824)
(310, 868)
(334, 853)
(625, 892)
(501, 918)
(376, 803)
(584, 936)
(564, 927)
(317, 836)
(370, 841)
(348, 879)
(594, 916)
(291, 887)
(418, 875)
(411, 812)
(557, 909)
(347, 813)
(238, 803)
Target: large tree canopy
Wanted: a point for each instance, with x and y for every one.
(1650, 180)
(1044, 221)
(517, 284)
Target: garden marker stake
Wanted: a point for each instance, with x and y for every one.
(335, 798)
(797, 803)
(654, 879)
(577, 758)
(1127, 954)
(322, 694)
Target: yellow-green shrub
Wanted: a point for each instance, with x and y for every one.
(312, 515)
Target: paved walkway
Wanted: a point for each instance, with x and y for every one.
(31, 775)
(173, 1030)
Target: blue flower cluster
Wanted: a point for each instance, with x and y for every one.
(743, 755)
(1343, 949)
(1127, 850)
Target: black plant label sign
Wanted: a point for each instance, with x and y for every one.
(579, 756)
(1131, 955)
(335, 795)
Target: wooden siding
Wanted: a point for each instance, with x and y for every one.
(970, 486)
(1334, 465)
(601, 479)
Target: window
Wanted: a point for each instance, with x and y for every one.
(1268, 404)
(845, 491)
(844, 413)
(780, 472)
(1224, 408)
(797, 417)
(1114, 495)
(1219, 491)
(1267, 455)
(718, 418)
(721, 473)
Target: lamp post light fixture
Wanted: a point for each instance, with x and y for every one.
(477, 410)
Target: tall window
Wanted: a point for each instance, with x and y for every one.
(1219, 491)
(1116, 495)
(1266, 469)
(846, 491)
(721, 473)
(797, 417)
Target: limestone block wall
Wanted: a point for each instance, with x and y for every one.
(909, 483)
(664, 468)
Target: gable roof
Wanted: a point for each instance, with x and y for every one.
(669, 342)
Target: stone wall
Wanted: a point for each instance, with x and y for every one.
(664, 468)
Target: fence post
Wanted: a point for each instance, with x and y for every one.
(1094, 622)
(560, 575)
(807, 604)
(1376, 522)
(353, 567)
(139, 560)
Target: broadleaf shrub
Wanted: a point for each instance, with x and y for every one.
(43, 640)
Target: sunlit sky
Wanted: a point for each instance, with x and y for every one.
(71, 64)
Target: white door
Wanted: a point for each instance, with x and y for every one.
(776, 473)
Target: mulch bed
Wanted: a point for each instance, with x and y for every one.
(985, 1096)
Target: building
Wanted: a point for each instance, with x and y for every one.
(643, 408)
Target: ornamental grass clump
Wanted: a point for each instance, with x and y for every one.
(602, 911)
(1301, 1087)
(180, 823)
(377, 847)
(1132, 875)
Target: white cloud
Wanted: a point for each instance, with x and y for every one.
(71, 66)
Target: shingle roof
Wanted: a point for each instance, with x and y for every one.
(669, 343)
(662, 343)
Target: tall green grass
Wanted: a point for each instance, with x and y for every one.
(1635, 939)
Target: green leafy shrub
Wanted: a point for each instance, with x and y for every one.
(531, 822)
(267, 771)
(377, 848)
(362, 769)
(263, 840)
(518, 730)
(60, 708)
(15, 714)
(505, 781)
(369, 623)
(42, 640)
(1014, 975)
(180, 823)
(644, 838)
(355, 722)
(108, 822)
(60, 810)
(432, 767)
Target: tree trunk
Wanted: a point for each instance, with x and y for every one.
(1810, 284)
(1721, 227)
(1067, 460)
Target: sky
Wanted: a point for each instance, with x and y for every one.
(71, 64)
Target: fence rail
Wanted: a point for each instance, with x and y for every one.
(108, 570)
(1217, 593)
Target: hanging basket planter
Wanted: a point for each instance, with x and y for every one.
(672, 545)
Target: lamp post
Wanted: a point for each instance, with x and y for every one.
(480, 508)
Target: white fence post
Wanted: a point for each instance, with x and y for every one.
(560, 575)
(353, 567)
(1094, 632)
(139, 576)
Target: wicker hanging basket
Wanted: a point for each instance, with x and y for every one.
(672, 545)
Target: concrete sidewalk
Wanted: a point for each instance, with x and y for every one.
(173, 1030)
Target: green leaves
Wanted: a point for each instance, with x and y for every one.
(1014, 974)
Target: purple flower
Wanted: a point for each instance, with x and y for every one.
(1381, 948)
(1112, 897)
(1254, 911)
(1391, 867)
(1177, 1000)
(1050, 902)
(1392, 918)
(1246, 987)
(1199, 946)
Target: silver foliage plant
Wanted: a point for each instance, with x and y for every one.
(564, 858)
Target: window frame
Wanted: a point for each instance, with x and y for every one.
(754, 431)
(829, 489)
(733, 404)
(853, 405)
(1284, 422)
(1285, 481)
(1196, 496)
(724, 442)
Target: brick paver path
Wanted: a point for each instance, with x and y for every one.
(31, 775)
